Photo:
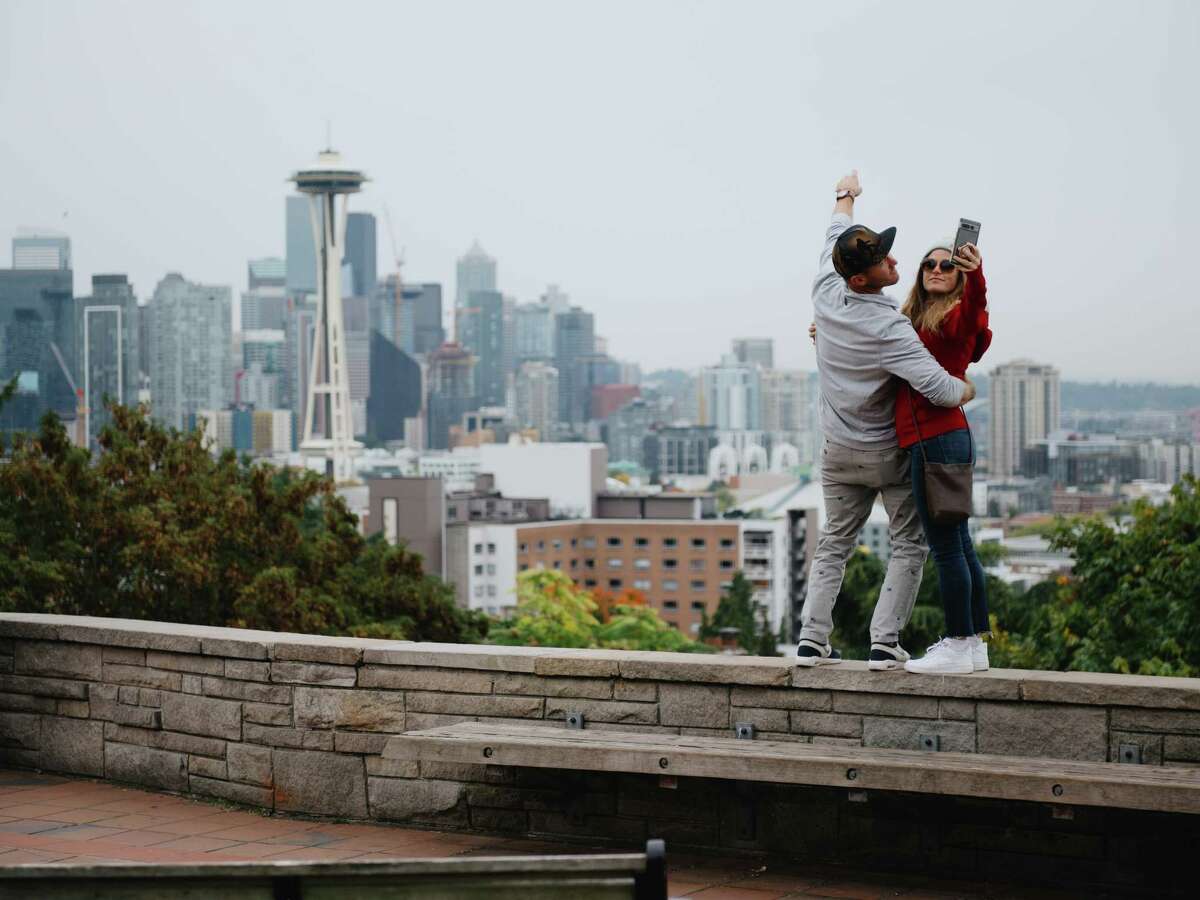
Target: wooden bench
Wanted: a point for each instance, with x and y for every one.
(786, 762)
(642, 876)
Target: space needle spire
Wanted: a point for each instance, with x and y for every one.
(328, 424)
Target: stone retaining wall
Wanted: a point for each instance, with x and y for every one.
(297, 723)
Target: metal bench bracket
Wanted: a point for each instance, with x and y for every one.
(575, 720)
(744, 731)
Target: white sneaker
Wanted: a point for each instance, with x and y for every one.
(979, 657)
(949, 656)
(887, 656)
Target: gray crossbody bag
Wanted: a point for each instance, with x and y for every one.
(948, 486)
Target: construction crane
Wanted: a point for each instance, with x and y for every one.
(398, 256)
(81, 410)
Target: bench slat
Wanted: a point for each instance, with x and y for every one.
(788, 762)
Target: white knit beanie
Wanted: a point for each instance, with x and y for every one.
(947, 244)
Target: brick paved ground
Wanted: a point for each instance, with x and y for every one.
(46, 819)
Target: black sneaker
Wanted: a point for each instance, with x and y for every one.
(810, 653)
(887, 656)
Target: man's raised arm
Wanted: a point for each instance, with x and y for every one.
(903, 354)
(843, 218)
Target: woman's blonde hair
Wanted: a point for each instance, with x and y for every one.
(925, 313)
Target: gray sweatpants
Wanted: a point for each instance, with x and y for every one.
(852, 479)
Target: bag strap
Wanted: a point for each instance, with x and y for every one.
(912, 410)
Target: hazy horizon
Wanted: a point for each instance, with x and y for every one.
(669, 165)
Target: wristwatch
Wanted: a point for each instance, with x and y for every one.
(845, 192)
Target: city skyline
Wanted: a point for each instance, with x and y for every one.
(688, 216)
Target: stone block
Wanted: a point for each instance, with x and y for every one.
(1108, 689)
(313, 673)
(961, 710)
(20, 730)
(635, 691)
(296, 738)
(1181, 748)
(238, 648)
(762, 719)
(44, 687)
(31, 626)
(76, 709)
(694, 705)
(267, 713)
(577, 664)
(824, 740)
(1043, 730)
(828, 724)
(393, 768)
(782, 698)
(125, 714)
(447, 771)
(475, 705)
(455, 656)
(202, 715)
(714, 670)
(606, 711)
(398, 799)
(185, 662)
(327, 784)
(6, 664)
(355, 742)
(164, 740)
(128, 694)
(25, 703)
(904, 734)
(885, 705)
(537, 685)
(205, 766)
(414, 721)
(355, 710)
(149, 697)
(997, 684)
(57, 660)
(1162, 721)
(140, 676)
(318, 652)
(249, 764)
(126, 656)
(247, 690)
(193, 684)
(247, 670)
(458, 681)
(135, 635)
(146, 766)
(72, 745)
(246, 794)
(1151, 746)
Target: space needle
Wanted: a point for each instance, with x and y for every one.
(328, 425)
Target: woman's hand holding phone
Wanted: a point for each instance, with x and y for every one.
(969, 258)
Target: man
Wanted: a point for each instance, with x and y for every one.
(863, 345)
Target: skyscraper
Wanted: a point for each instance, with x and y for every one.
(729, 393)
(481, 331)
(1026, 401)
(574, 339)
(476, 272)
(109, 357)
(789, 408)
(37, 310)
(755, 351)
(533, 332)
(451, 392)
(264, 304)
(536, 398)
(191, 365)
(395, 390)
(301, 254)
(41, 249)
(360, 253)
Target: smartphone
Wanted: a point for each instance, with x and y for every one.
(968, 233)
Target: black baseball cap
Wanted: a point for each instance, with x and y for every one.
(858, 248)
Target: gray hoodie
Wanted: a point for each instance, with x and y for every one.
(864, 345)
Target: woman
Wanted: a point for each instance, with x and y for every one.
(948, 307)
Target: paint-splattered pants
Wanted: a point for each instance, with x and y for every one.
(852, 479)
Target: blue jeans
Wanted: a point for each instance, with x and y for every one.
(960, 576)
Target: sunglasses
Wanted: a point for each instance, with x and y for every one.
(945, 265)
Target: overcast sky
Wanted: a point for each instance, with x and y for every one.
(669, 164)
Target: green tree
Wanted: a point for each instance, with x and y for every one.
(641, 628)
(155, 527)
(737, 609)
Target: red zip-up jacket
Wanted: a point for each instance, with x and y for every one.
(963, 339)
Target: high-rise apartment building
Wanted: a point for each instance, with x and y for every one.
(1026, 401)
(301, 275)
(480, 330)
(361, 246)
(422, 308)
(730, 396)
(109, 349)
(476, 272)
(191, 364)
(790, 412)
(536, 398)
(264, 304)
(533, 332)
(755, 351)
(37, 310)
(451, 392)
(574, 339)
(47, 250)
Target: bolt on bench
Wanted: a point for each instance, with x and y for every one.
(785, 762)
(617, 876)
